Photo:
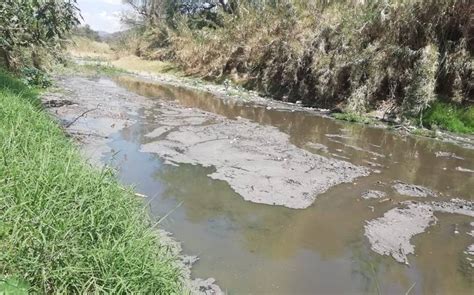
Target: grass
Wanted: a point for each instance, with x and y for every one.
(357, 55)
(66, 227)
(102, 69)
(134, 63)
(85, 48)
(94, 68)
(352, 117)
(450, 117)
(91, 50)
(424, 132)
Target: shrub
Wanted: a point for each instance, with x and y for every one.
(34, 77)
(450, 117)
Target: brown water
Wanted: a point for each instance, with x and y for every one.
(260, 249)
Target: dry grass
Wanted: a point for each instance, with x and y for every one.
(359, 58)
(82, 47)
(134, 63)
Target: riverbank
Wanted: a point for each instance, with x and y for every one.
(66, 226)
(403, 62)
(169, 74)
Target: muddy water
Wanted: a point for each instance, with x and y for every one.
(261, 249)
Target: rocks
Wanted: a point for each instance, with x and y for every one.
(195, 286)
(448, 155)
(205, 287)
(455, 206)
(413, 190)
(57, 103)
(372, 194)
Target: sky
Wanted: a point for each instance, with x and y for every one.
(102, 15)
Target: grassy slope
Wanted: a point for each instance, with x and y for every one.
(65, 226)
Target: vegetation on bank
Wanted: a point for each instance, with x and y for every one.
(65, 226)
(31, 29)
(449, 117)
(397, 57)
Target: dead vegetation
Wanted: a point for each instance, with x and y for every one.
(395, 56)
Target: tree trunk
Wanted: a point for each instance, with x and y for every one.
(6, 58)
(36, 59)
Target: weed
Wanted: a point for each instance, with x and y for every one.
(67, 227)
(424, 132)
(34, 77)
(450, 117)
(353, 117)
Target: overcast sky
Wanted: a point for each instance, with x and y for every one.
(102, 15)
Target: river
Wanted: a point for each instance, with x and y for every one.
(312, 245)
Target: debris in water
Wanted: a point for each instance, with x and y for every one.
(448, 155)
(412, 190)
(461, 169)
(372, 194)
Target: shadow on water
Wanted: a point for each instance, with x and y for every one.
(255, 249)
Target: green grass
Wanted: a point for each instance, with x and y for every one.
(450, 117)
(90, 69)
(66, 227)
(424, 132)
(352, 117)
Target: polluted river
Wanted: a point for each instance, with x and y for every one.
(277, 199)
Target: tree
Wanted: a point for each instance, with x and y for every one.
(86, 32)
(151, 12)
(34, 23)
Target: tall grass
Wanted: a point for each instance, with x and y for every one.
(394, 56)
(66, 227)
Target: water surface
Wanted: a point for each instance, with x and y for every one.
(261, 249)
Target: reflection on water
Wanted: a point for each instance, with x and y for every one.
(255, 249)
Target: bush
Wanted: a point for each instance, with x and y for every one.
(34, 77)
(450, 117)
(358, 57)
